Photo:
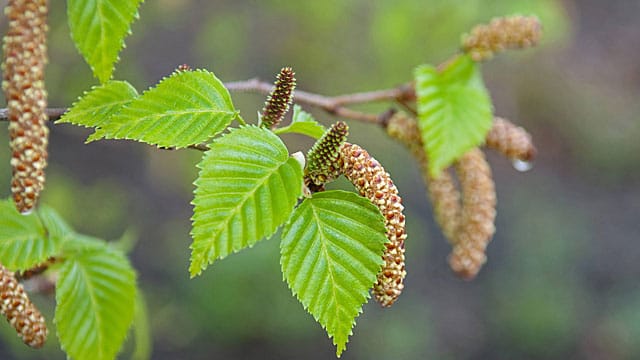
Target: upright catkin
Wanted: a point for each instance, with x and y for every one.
(374, 183)
(476, 227)
(511, 140)
(25, 57)
(20, 312)
(279, 100)
(512, 32)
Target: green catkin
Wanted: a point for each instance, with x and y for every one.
(279, 100)
(322, 159)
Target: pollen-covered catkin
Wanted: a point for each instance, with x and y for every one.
(323, 157)
(279, 100)
(512, 141)
(445, 196)
(20, 312)
(374, 183)
(476, 226)
(512, 32)
(25, 56)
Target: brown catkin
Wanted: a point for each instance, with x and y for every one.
(374, 183)
(25, 56)
(511, 140)
(20, 312)
(476, 226)
(512, 32)
(279, 100)
(445, 196)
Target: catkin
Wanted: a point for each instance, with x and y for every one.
(512, 32)
(444, 195)
(25, 56)
(476, 227)
(20, 312)
(512, 141)
(279, 100)
(374, 183)
(323, 157)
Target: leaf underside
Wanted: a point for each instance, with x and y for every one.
(331, 252)
(187, 108)
(98, 29)
(95, 296)
(454, 108)
(247, 187)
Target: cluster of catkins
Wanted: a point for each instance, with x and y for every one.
(332, 156)
(466, 213)
(25, 56)
(23, 63)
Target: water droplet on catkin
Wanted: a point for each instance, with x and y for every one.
(521, 165)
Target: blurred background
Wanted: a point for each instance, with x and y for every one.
(562, 276)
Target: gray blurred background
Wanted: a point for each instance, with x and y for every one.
(562, 276)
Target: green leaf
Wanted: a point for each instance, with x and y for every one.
(24, 241)
(187, 108)
(99, 104)
(454, 108)
(247, 187)
(302, 123)
(95, 297)
(98, 28)
(331, 252)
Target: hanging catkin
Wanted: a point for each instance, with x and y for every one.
(374, 183)
(512, 141)
(512, 32)
(20, 312)
(476, 227)
(25, 56)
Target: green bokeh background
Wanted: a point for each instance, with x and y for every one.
(562, 276)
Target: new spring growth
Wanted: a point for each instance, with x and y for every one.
(374, 183)
(279, 100)
(322, 159)
(20, 312)
(513, 32)
(512, 141)
(25, 56)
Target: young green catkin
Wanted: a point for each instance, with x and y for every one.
(25, 57)
(476, 227)
(20, 312)
(279, 100)
(374, 183)
(512, 141)
(323, 157)
(512, 32)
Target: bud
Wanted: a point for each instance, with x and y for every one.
(20, 312)
(374, 183)
(25, 56)
(512, 141)
(513, 32)
(476, 227)
(322, 159)
(280, 99)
